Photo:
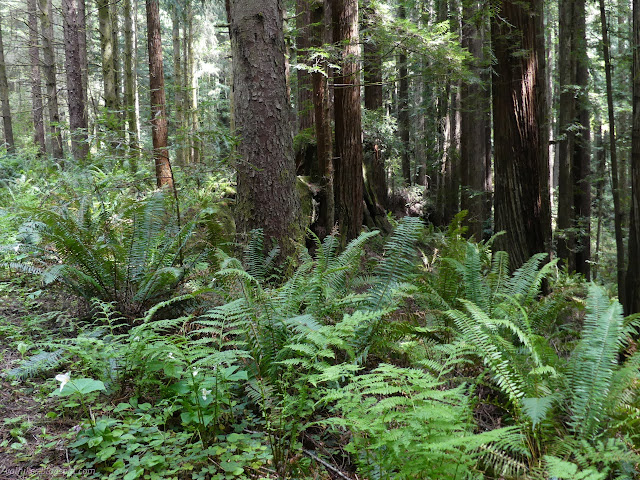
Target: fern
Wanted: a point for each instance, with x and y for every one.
(38, 364)
(595, 361)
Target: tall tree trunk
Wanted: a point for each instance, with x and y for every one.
(84, 62)
(403, 106)
(472, 136)
(319, 35)
(194, 133)
(131, 80)
(600, 183)
(115, 29)
(522, 205)
(159, 130)
(267, 196)
(49, 66)
(614, 159)
(75, 96)
(36, 90)
(178, 85)
(108, 68)
(304, 148)
(632, 303)
(566, 117)
(4, 99)
(349, 181)
(582, 148)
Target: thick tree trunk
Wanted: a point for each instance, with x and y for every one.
(266, 193)
(632, 304)
(131, 80)
(319, 35)
(75, 96)
(614, 159)
(115, 30)
(178, 85)
(4, 99)
(349, 181)
(472, 136)
(49, 66)
(403, 107)
(36, 89)
(600, 184)
(107, 48)
(522, 205)
(159, 130)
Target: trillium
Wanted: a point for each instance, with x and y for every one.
(194, 372)
(63, 378)
(170, 355)
(205, 392)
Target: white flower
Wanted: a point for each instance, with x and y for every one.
(63, 378)
(170, 355)
(205, 392)
(194, 372)
(136, 339)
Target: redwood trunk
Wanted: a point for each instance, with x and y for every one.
(632, 304)
(159, 130)
(348, 166)
(319, 35)
(617, 209)
(522, 206)
(403, 107)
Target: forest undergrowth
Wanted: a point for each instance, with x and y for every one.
(135, 345)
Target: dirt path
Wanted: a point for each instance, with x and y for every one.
(31, 444)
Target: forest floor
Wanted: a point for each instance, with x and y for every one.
(32, 442)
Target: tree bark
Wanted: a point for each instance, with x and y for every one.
(194, 132)
(614, 159)
(305, 161)
(36, 89)
(49, 66)
(472, 136)
(348, 166)
(131, 80)
(632, 303)
(582, 148)
(84, 62)
(178, 85)
(75, 95)
(319, 35)
(159, 129)
(522, 205)
(266, 192)
(107, 48)
(4, 99)
(403, 107)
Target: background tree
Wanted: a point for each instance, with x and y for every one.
(348, 161)
(49, 67)
(75, 94)
(36, 89)
(159, 128)
(4, 99)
